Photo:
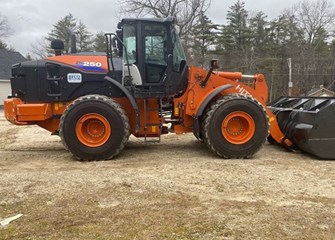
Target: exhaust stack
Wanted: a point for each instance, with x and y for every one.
(73, 41)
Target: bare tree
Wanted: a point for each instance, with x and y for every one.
(186, 12)
(5, 29)
(39, 48)
(315, 18)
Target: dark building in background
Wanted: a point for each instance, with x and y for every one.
(7, 59)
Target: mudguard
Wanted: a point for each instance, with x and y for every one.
(130, 97)
(201, 109)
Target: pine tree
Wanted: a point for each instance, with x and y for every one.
(99, 43)
(84, 38)
(203, 39)
(61, 31)
(224, 41)
(234, 40)
(237, 25)
(259, 26)
(320, 41)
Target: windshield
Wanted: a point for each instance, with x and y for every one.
(178, 51)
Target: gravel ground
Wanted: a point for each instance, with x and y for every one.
(173, 190)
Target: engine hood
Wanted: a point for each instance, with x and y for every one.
(88, 63)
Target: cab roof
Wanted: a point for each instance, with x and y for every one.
(168, 20)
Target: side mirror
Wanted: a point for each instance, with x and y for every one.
(182, 66)
(214, 64)
(119, 25)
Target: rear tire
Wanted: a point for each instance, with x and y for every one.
(94, 127)
(235, 126)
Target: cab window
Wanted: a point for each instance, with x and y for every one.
(155, 50)
(155, 44)
(129, 39)
(178, 52)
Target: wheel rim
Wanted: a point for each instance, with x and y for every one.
(93, 130)
(238, 127)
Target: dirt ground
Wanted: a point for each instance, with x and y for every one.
(173, 190)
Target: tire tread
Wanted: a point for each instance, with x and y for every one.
(107, 100)
(209, 114)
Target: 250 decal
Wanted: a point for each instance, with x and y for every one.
(90, 64)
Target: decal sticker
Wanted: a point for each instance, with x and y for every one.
(241, 90)
(90, 66)
(74, 78)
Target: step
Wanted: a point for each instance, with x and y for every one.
(152, 124)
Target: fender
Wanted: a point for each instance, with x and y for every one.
(201, 109)
(130, 97)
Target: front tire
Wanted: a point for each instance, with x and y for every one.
(235, 126)
(94, 127)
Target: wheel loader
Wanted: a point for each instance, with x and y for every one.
(142, 85)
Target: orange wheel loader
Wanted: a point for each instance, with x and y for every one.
(141, 85)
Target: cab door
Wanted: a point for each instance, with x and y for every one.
(155, 53)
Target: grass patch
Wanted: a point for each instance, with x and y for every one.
(152, 215)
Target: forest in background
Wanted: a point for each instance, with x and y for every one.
(248, 42)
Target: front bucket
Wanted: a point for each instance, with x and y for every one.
(308, 122)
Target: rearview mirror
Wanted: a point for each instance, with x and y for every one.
(214, 64)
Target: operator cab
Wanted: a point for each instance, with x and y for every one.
(153, 58)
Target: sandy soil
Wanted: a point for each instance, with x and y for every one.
(173, 190)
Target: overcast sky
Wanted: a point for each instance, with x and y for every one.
(33, 19)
